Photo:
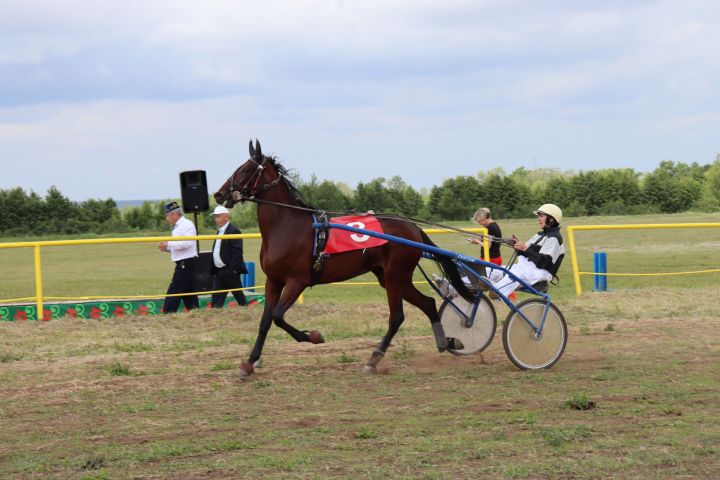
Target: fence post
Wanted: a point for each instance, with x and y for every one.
(600, 261)
(248, 279)
(38, 284)
(573, 259)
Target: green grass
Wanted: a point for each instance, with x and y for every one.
(118, 369)
(580, 402)
(223, 366)
(345, 358)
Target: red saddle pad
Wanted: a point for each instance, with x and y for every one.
(344, 241)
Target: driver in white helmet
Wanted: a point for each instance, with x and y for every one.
(539, 258)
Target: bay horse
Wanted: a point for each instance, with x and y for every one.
(286, 226)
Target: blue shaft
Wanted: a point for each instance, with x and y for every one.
(429, 248)
(463, 260)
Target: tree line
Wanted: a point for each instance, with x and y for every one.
(672, 187)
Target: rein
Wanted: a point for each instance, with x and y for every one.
(238, 195)
(505, 241)
(285, 205)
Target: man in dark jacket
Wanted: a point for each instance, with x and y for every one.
(227, 263)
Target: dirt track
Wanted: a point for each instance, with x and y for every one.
(152, 398)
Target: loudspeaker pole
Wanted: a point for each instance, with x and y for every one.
(193, 189)
(197, 231)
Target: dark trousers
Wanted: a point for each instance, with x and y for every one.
(225, 279)
(181, 282)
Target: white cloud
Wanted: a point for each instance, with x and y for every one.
(137, 91)
(35, 49)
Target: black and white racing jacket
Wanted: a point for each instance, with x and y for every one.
(545, 249)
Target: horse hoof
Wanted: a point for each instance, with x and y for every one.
(315, 337)
(369, 369)
(246, 369)
(452, 344)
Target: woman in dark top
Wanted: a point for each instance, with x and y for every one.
(483, 218)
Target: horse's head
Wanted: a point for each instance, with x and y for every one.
(249, 179)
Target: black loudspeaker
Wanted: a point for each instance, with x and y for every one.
(193, 188)
(202, 280)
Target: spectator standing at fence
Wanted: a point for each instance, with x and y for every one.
(184, 254)
(228, 263)
(483, 218)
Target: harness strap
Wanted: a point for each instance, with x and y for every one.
(319, 241)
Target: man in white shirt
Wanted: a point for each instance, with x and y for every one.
(184, 254)
(228, 263)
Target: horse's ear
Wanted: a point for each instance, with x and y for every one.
(258, 150)
(252, 150)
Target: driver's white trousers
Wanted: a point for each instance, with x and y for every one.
(523, 269)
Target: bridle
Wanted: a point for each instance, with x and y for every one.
(251, 187)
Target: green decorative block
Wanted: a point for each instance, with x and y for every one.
(102, 309)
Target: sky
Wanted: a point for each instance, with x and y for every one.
(113, 99)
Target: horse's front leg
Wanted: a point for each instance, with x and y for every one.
(272, 295)
(289, 295)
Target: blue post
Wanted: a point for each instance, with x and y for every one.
(248, 279)
(600, 260)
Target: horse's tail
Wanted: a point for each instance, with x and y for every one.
(450, 271)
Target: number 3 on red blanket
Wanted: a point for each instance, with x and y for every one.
(344, 241)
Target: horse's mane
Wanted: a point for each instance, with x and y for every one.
(283, 172)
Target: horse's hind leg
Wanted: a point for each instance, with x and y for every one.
(427, 305)
(289, 295)
(397, 316)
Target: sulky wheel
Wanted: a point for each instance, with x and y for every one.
(475, 338)
(527, 350)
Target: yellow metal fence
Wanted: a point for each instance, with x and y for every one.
(38, 245)
(573, 255)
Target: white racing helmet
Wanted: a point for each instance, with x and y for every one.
(551, 210)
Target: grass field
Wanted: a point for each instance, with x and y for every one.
(636, 394)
